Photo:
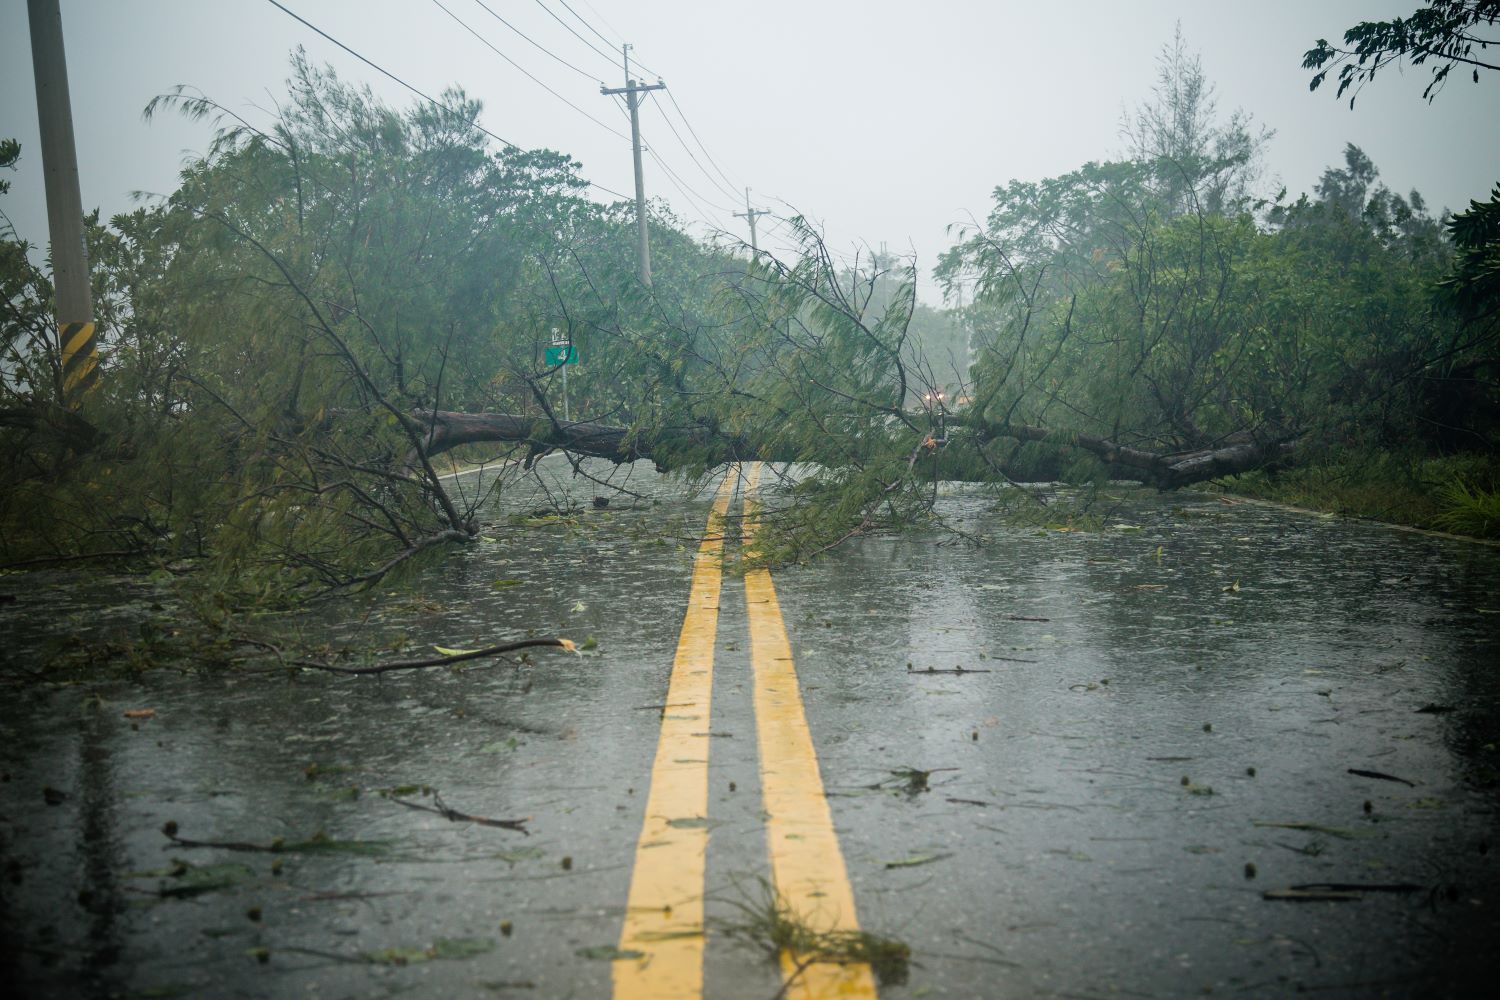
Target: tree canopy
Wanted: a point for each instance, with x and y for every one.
(329, 304)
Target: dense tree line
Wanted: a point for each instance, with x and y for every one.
(327, 305)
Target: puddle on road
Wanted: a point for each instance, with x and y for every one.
(1105, 749)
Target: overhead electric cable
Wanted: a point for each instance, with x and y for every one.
(553, 14)
(584, 73)
(733, 188)
(676, 182)
(601, 17)
(683, 186)
(430, 100)
(674, 176)
(525, 72)
(381, 69)
(706, 153)
(584, 21)
(600, 35)
(686, 149)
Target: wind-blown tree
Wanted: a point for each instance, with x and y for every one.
(1141, 310)
(336, 275)
(1197, 160)
(1448, 35)
(283, 322)
(327, 304)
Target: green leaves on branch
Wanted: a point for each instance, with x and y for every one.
(1449, 33)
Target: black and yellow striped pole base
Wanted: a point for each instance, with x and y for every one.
(80, 361)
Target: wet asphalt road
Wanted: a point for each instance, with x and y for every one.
(1154, 726)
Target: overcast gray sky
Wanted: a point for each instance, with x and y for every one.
(884, 120)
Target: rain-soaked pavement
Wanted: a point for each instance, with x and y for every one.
(1213, 747)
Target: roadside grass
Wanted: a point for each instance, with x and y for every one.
(1453, 493)
(1470, 510)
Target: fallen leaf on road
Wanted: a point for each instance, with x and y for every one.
(1311, 896)
(608, 953)
(916, 859)
(1332, 831)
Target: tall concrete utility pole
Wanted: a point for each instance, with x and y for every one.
(749, 215)
(70, 263)
(631, 90)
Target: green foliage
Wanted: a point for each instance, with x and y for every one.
(276, 330)
(1469, 510)
(1151, 303)
(270, 332)
(771, 925)
(276, 334)
(1196, 161)
(1475, 282)
(29, 362)
(1175, 333)
(1391, 486)
(1443, 32)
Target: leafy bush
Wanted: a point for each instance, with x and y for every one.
(1469, 510)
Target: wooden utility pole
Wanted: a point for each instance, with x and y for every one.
(631, 90)
(70, 263)
(749, 215)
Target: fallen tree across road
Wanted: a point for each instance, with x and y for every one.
(1164, 470)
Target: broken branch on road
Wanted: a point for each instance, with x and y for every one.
(1382, 776)
(448, 659)
(454, 816)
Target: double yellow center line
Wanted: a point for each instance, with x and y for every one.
(664, 912)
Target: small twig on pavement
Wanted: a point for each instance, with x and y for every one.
(1382, 776)
(454, 816)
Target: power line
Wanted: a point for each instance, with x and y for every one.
(525, 72)
(683, 186)
(601, 17)
(732, 187)
(711, 179)
(694, 133)
(609, 57)
(490, 11)
(679, 183)
(598, 34)
(474, 124)
(381, 69)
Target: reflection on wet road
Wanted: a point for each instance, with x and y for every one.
(1211, 747)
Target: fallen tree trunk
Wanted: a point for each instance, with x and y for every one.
(1164, 470)
(705, 446)
(667, 446)
(63, 425)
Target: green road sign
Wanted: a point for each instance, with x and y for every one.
(562, 354)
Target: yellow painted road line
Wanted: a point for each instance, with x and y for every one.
(807, 867)
(664, 912)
